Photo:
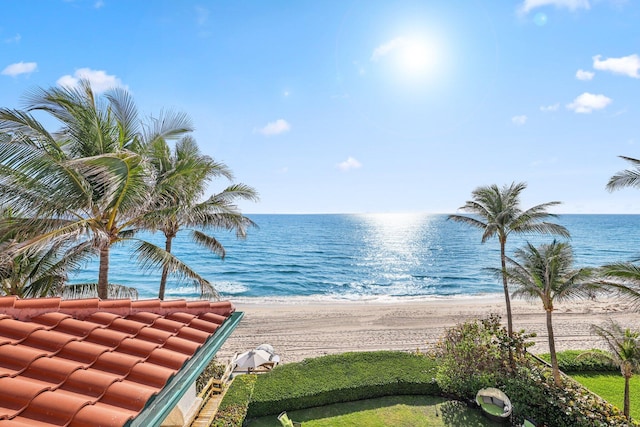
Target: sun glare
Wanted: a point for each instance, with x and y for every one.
(417, 56)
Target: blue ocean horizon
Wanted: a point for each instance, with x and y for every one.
(361, 257)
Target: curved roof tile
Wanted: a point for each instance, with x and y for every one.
(71, 362)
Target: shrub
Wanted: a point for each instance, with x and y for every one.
(213, 370)
(579, 361)
(233, 407)
(475, 355)
(342, 378)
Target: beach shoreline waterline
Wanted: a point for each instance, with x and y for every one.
(299, 330)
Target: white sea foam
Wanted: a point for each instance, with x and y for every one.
(230, 288)
(353, 298)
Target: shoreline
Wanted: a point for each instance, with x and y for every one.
(373, 299)
(300, 330)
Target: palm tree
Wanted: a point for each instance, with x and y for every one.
(86, 185)
(546, 273)
(624, 352)
(181, 181)
(33, 275)
(497, 212)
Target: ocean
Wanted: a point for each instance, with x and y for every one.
(361, 257)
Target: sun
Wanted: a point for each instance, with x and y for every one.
(411, 56)
(417, 56)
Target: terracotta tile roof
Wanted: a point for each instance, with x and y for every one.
(73, 362)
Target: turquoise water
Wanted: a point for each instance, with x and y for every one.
(382, 257)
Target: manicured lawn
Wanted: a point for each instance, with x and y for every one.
(418, 411)
(610, 386)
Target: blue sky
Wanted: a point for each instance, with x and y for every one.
(341, 106)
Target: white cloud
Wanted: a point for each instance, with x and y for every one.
(584, 75)
(202, 15)
(627, 65)
(100, 80)
(528, 5)
(386, 48)
(349, 164)
(550, 108)
(14, 39)
(519, 120)
(20, 68)
(98, 4)
(587, 102)
(275, 128)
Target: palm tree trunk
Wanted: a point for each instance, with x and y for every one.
(507, 299)
(165, 269)
(103, 273)
(552, 350)
(627, 403)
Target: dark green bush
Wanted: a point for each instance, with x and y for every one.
(534, 394)
(580, 361)
(233, 407)
(342, 378)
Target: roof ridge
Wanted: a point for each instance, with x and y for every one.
(28, 308)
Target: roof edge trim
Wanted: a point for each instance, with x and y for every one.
(159, 407)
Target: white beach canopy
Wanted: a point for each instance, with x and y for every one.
(266, 347)
(252, 359)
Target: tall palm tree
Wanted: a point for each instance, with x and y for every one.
(624, 347)
(546, 273)
(497, 212)
(85, 185)
(181, 182)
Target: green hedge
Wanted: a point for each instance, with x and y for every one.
(569, 361)
(342, 378)
(233, 407)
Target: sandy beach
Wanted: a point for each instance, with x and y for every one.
(301, 330)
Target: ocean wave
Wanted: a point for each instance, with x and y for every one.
(353, 298)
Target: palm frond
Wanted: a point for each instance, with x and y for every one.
(626, 178)
(169, 125)
(474, 222)
(126, 116)
(208, 242)
(235, 192)
(151, 257)
(623, 278)
(90, 290)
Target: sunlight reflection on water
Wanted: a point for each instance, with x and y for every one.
(361, 257)
(393, 244)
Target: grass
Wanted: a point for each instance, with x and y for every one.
(418, 411)
(610, 386)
